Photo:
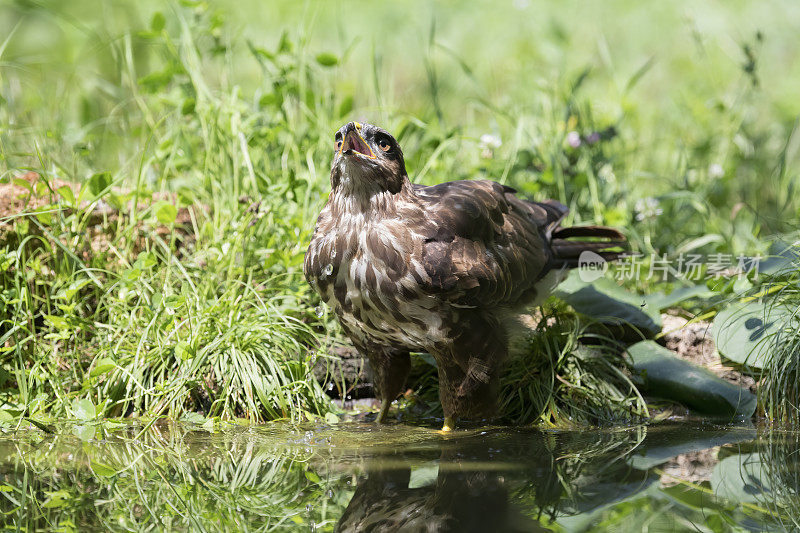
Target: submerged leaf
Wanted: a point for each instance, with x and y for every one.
(742, 479)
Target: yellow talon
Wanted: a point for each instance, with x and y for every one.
(449, 424)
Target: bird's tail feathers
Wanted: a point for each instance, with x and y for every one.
(608, 243)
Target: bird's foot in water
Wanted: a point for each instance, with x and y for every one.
(384, 412)
(449, 424)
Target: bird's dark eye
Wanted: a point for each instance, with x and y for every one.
(338, 142)
(384, 144)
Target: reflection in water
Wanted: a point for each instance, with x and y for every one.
(455, 501)
(477, 480)
(355, 477)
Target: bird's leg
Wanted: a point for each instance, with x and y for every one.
(385, 404)
(449, 424)
(469, 370)
(390, 370)
(450, 376)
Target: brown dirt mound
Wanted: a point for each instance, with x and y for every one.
(694, 343)
(27, 193)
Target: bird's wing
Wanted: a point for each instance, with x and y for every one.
(482, 244)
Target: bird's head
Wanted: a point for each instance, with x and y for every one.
(367, 160)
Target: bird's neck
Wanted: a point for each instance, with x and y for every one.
(369, 203)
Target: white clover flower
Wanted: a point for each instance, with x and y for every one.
(647, 208)
(606, 173)
(490, 141)
(488, 144)
(574, 139)
(715, 171)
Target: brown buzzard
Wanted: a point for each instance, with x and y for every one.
(446, 269)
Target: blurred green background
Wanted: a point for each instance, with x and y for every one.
(702, 95)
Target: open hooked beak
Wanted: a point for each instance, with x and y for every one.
(354, 143)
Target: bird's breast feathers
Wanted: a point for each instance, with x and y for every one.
(369, 270)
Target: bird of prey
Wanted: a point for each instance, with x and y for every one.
(446, 269)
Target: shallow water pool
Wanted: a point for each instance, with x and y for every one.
(690, 476)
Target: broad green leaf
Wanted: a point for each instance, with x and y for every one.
(783, 259)
(165, 212)
(19, 182)
(183, 351)
(155, 81)
(103, 366)
(102, 470)
(188, 106)
(610, 304)
(41, 188)
(145, 260)
(743, 332)
(312, 476)
(663, 301)
(41, 425)
(65, 192)
(56, 499)
(99, 182)
(84, 409)
(156, 299)
(346, 106)
(44, 215)
(69, 292)
(327, 59)
(158, 22)
(210, 425)
(665, 375)
(58, 322)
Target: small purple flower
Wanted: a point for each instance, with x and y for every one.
(593, 137)
(573, 139)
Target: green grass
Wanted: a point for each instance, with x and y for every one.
(207, 128)
(779, 391)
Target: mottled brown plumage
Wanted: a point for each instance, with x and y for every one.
(444, 269)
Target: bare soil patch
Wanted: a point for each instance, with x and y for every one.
(694, 343)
